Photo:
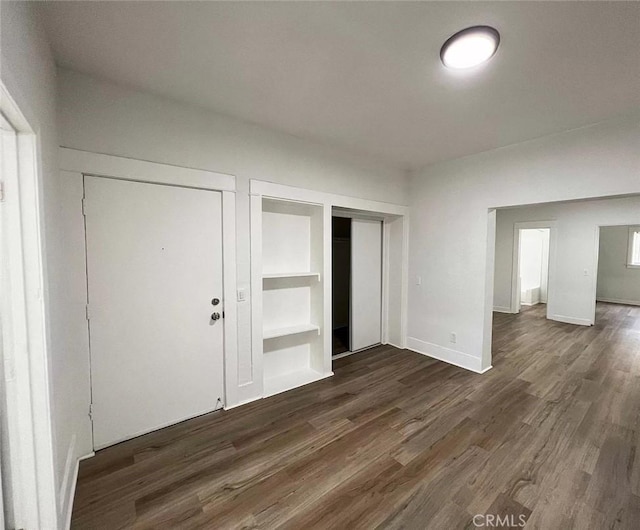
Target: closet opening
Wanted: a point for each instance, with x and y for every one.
(356, 288)
(341, 285)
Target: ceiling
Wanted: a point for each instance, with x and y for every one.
(367, 76)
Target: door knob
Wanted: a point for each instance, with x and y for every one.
(215, 301)
(215, 316)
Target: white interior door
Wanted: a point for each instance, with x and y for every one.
(154, 265)
(366, 283)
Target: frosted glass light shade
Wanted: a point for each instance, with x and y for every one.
(470, 47)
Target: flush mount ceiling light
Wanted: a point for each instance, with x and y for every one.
(470, 47)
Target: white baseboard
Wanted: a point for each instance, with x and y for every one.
(67, 487)
(618, 301)
(72, 491)
(244, 393)
(71, 495)
(69, 481)
(240, 403)
(502, 309)
(571, 320)
(447, 355)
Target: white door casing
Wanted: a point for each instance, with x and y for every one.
(550, 265)
(154, 264)
(29, 480)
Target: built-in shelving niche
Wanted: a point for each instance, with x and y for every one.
(292, 295)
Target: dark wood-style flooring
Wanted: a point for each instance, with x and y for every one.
(396, 439)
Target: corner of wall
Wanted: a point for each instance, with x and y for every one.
(447, 355)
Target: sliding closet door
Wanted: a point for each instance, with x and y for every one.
(366, 283)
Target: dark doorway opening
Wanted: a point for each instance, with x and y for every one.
(341, 284)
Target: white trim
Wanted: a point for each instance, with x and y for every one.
(571, 320)
(386, 221)
(384, 317)
(502, 309)
(618, 301)
(350, 206)
(270, 189)
(257, 331)
(230, 303)
(255, 222)
(107, 166)
(68, 467)
(404, 304)
(68, 486)
(594, 275)
(447, 355)
(72, 493)
(25, 337)
(355, 214)
(632, 231)
(327, 294)
(515, 263)
(72, 490)
(100, 165)
(489, 280)
(244, 402)
(596, 268)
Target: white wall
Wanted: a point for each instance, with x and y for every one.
(571, 292)
(450, 224)
(28, 72)
(105, 118)
(616, 281)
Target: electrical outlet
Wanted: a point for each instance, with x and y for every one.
(453, 338)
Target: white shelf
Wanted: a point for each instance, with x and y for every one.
(289, 271)
(290, 330)
(291, 380)
(277, 275)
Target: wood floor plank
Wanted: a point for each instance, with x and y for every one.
(398, 440)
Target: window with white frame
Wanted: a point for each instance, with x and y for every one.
(633, 255)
